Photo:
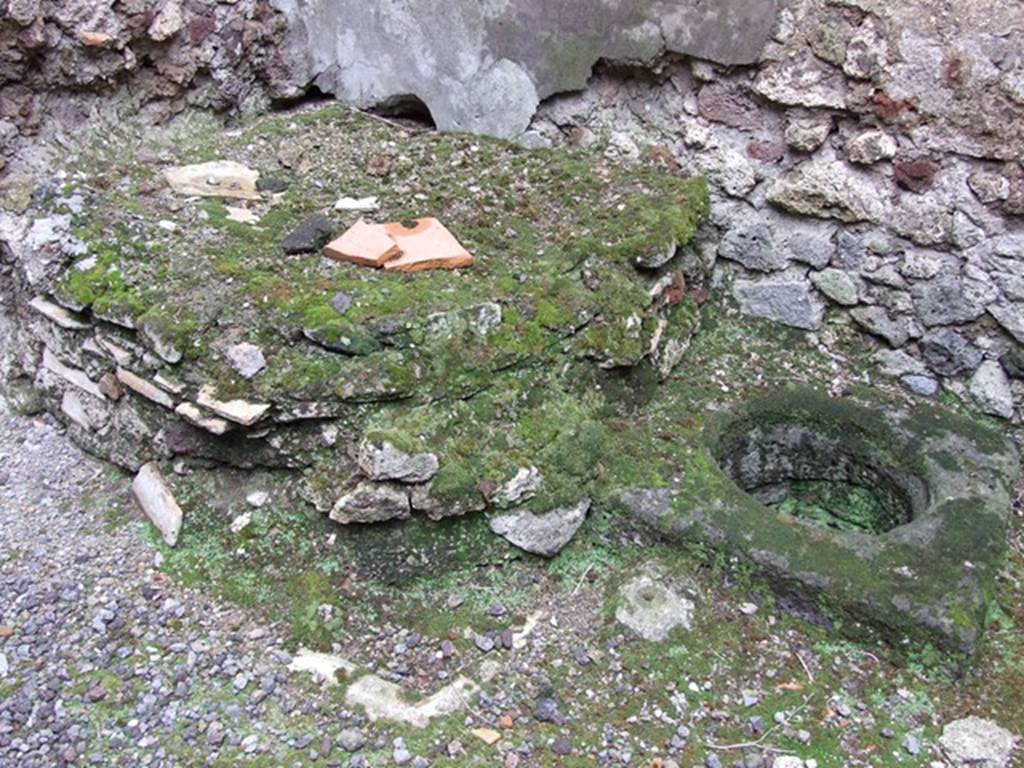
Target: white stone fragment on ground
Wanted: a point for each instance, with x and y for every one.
(323, 666)
(523, 486)
(990, 387)
(198, 418)
(978, 743)
(4, 668)
(239, 411)
(154, 497)
(145, 388)
(247, 359)
(652, 610)
(544, 535)
(218, 178)
(241, 522)
(357, 204)
(71, 375)
(241, 215)
(384, 700)
(58, 314)
(257, 499)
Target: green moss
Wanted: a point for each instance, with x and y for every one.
(835, 504)
(557, 256)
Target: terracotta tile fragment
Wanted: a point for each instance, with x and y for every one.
(428, 245)
(367, 245)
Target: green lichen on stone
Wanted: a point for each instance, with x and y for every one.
(902, 580)
(835, 504)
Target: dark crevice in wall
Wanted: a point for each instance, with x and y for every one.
(408, 109)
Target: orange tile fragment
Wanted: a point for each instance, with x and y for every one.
(367, 245)
(428, 245)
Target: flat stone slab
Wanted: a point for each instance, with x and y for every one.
(426, 244)
(154, 497)
(653, 610)
(544, 535)
(237, 410)
(944, 486)
(217, 178)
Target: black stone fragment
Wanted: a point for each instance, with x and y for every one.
(311, 235)
(271, 184)
(1013, 363)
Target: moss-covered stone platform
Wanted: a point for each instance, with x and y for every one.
(552, 373)
(934, 495)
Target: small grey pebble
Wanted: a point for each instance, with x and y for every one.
(912, 744)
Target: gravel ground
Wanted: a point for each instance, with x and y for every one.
(102, 660)
(105, 661)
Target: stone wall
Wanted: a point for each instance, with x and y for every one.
(148, 56)
(866, 170)
(864, 155)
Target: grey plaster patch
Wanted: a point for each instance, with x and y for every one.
(484, 67)
(653, 610)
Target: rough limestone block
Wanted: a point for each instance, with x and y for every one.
(382, 461)
(978, 743)
(218, 178)
(544, 535)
